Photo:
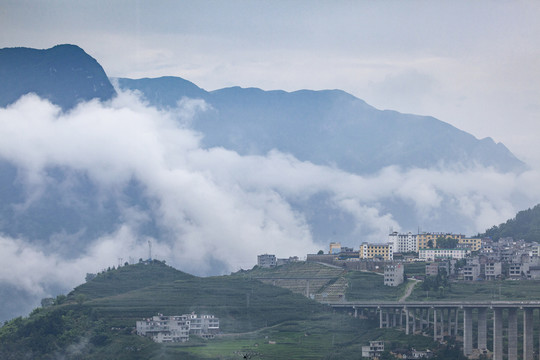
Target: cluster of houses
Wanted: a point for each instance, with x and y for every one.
(480, 259)
(178, 328)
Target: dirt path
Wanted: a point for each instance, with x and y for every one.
(408, 291)
(330, 265)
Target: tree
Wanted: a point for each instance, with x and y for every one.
(80, 299)
(60, 299)
(446, 243)
(320, 252)
(430, 244)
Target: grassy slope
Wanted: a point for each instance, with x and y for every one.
(128, 278)
(252, 314)
(355, 285)
(294, 276)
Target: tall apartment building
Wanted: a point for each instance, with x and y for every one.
(403, 242)
(377, 251)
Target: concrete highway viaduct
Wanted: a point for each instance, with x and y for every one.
(449, 317)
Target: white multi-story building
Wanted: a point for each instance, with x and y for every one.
(433, 254)
(205, 326)
(374, 350)
(471, 272)
(518, 270)
(393, 275)
(403, 242)
(266, 260)
(166, 329)
(493, 270)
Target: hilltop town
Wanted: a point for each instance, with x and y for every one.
(459, 257)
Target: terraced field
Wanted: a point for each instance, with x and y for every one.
(326, 283)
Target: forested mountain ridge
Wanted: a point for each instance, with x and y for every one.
(525, 225)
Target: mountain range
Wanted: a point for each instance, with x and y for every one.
(330, 134)
(329, 127)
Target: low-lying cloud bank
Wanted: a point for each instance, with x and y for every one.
(217, 208)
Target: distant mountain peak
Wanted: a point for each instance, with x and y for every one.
(64, 74)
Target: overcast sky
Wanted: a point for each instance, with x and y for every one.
(474, 64)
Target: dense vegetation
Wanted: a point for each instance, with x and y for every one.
(526, 226)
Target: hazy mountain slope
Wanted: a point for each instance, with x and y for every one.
(327, 127)
(525, 225)
(64, 74)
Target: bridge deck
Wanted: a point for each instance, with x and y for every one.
(439, 304)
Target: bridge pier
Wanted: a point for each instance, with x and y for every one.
(497, 334)
(527, 334)
(414, 320)
(482, 328)
(467, 331)
(512, 334)
(438, 324)
(407, 327)
(443, 316)
(425, 320)
(435, 324)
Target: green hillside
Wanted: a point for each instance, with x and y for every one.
(329, 283)
(128, 278)
(257, 320)
(526, 226)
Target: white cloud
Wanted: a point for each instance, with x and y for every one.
(219, 209)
